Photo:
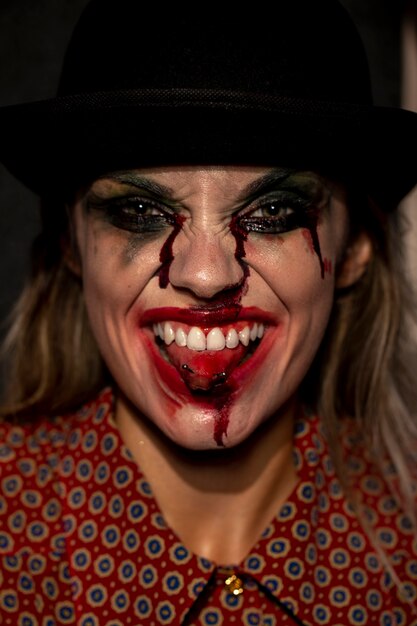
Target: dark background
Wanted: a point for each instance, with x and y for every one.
(33, 37)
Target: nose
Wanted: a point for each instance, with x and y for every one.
(205, 264)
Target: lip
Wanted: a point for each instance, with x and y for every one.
(237, 380)
(203, 317)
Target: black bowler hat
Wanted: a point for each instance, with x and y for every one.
(145, 84)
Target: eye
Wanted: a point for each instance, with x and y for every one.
(136, 207)
(273, 210)
(276, 215)
(135, 214)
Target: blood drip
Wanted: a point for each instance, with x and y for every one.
(223, 401)
(314, 242)
(328, 266)
(240, 236)
(205, 375)
(166, 255)
(220, 401)
(221, 422)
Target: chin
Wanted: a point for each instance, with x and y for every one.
(197, 425)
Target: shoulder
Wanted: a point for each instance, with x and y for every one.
(34, 455)
(27, 444)
(371, 483)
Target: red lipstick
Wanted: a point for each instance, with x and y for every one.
(208, 316)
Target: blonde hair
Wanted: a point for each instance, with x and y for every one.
(367, 360)
(52, 358)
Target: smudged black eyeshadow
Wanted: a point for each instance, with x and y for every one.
(132, 213)
(290, 200)
(283, 211)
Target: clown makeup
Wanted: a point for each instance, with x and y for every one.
(209, 290)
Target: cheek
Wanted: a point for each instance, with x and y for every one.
(297, 266)
(115, 270)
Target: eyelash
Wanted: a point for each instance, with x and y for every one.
(292, 212)
(130, 214)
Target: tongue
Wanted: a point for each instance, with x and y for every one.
(207, 369)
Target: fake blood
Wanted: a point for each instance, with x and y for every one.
(327, 266)
(221, 399)
(240, 236)
(222, 404)
(311, 236)
(206, 376)
(166, 255)
(204, 371)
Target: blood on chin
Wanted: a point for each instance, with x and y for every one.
(208, 381)
(206, 375)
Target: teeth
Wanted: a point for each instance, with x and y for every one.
(254, 332)
(232, 339)
(169, 334)
(244, 336)
(215, 340)
(180, 338)
(196, 339)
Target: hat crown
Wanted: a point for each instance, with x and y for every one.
(146, 85)
(130, 45)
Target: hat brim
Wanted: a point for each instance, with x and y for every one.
(55, 144)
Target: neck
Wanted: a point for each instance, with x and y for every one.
(197, 491)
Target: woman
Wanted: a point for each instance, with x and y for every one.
(217, 249)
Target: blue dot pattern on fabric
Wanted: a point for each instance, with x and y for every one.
(82, 540)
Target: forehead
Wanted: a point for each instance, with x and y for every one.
(229, 182)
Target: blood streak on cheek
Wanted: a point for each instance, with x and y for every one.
(166, 255)
(327, 266)
(240, 236)
(312, 239)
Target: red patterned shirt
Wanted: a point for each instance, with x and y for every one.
(82, 541)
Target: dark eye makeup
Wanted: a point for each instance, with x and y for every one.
(294, 202)
(133, 213)
(278, 213)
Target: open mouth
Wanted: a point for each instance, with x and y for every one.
(209, 347)
(205, 357)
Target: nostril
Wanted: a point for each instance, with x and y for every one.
(230, 296)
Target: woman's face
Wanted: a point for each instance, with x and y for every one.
(209, 290)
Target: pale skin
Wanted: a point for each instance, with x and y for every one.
(217, 499)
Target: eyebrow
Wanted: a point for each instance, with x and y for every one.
(142, 182)
(265, 183)
(260, 185)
